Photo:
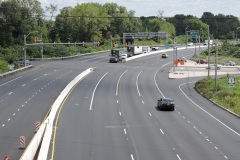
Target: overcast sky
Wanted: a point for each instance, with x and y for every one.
(170, 7)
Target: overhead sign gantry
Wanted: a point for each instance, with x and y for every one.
(145, 35)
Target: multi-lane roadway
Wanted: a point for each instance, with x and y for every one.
(112, 114)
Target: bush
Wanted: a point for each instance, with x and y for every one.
(3, 66)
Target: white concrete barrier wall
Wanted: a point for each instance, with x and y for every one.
(44, 133)
(50, 120)
(31, 150)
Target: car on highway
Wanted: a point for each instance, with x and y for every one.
(182, 59)
(164, 55)
(124, 56)
(154, 48)
(229, 63)
(166, 104)
(202, 61)
(190, 44)
(213, 66)
(21, 62)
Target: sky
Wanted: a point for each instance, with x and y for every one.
(169, 7)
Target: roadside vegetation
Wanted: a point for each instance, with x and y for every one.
(226, 52)
(222, 94)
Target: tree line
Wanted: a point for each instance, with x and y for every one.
(91, 22)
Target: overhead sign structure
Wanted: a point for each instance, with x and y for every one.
(231, 81)
(146, 34)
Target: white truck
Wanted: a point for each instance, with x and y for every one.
(136, 50)
(206, 42)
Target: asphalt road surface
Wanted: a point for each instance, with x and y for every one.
(112, 114)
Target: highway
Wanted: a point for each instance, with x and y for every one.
(111, 114)
(26, 97)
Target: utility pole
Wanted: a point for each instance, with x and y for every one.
(208, 53)
(186, 36)
(216, 56)
(25, 45)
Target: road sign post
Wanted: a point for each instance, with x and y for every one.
(231, 81)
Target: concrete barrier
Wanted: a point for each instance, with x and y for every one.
(15, 71)
(44, 133)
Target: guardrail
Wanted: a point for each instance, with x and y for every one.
(45, 131)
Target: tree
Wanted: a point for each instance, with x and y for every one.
(180, 23)
(121, 20)
(220, 26)
(196, 24)
(157, 25)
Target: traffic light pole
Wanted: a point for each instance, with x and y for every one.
(25, 45)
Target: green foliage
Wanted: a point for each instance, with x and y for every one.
(3, 66)
(223, 94)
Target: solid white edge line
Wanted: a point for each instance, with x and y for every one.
(137, 83)
(95, 90)
(119, 82)
(206, 111)
(178, 157)
(132, 157)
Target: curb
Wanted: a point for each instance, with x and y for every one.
(15, 71)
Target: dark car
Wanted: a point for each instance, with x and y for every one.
(113, 59)
(166, 104)
(202, 61)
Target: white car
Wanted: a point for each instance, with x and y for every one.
(190, 44)
(212, 66)
(124, 56)
(164, 55)
(155, 48)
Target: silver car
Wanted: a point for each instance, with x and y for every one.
(229, 63)
(212, 66)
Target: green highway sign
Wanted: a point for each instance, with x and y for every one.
(194, 33)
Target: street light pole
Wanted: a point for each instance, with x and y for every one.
(236, 33)
(208, 53)
(186, 36)
(25, 44)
